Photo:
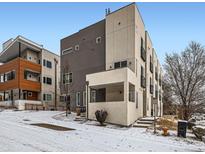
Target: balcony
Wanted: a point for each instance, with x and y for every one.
(143, 54)
(143, 82)
(151, 89)
(19, 66)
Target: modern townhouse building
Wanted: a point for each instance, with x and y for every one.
(112, 65)
(29, 75)
(81, 53)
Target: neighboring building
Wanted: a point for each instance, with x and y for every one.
(127, 83)
(30, 74)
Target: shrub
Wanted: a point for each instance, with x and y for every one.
(169, 123)
(101, 116)
(78, 111)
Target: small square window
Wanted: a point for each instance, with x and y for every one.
(117, 65)
(98, 40)
(49, 64)
(30, 94)
(49, 81)
(77, 47)
(124, 64)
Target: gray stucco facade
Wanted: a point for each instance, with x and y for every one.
(87, 56)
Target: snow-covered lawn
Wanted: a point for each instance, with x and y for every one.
(16, 134)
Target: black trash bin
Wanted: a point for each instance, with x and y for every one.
(182, 127)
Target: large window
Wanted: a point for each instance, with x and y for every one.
(136, 99)
(143, 80)
(47, 63)
(62, 98)
(1, 78)
(84, 98)
(131, 92)
(143, 52)
(47, 97)
(151, 65)
(47, 80)
(151, 86)
(156, 74)
(156, 91)
(8, 76)
(93, 96)
(67, 78)
(77, 98)
(120, 64)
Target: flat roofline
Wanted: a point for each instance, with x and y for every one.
(104, 19)
(133, 3)
(83, 29)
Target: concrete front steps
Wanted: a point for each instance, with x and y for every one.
(82, 117)
(144, 122)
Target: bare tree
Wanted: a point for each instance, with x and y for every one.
(185, 74)
(169, 105)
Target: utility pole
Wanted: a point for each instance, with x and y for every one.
(56, 63)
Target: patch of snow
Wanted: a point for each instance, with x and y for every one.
(16, 134)
(200, 119)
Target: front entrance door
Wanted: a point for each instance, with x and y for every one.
(25, 95)
(144, 104)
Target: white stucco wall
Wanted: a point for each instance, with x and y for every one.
(50, 72)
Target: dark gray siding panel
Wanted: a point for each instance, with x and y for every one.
(89, 59)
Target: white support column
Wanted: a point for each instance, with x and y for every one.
(126, 91)
(87, 101)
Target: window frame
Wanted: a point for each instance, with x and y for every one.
(67, 50)
(98, 40)
(77, 47)
(77, 98)
(48, 64)
(69, 79)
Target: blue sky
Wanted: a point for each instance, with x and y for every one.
(171, 25)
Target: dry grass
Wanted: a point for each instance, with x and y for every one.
(171, 123)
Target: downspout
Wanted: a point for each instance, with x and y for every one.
(87, 84)
(56, 62)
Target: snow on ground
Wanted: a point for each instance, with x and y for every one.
(16, 134)
(200, 119)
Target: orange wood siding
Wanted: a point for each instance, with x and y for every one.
(19, 65)
(26, 84)
(33, 97)
(12, 84)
